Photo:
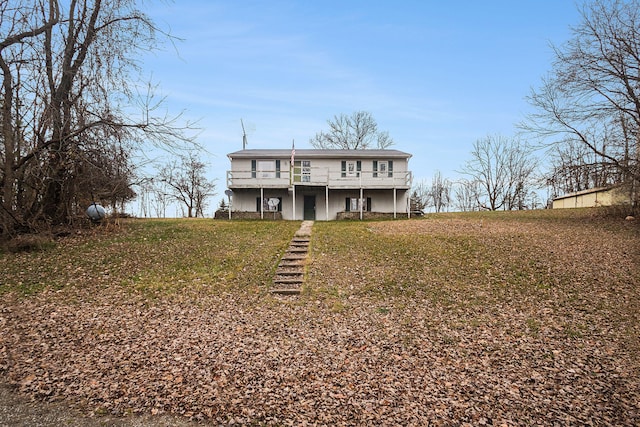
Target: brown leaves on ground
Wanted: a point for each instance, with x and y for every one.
(505, 319)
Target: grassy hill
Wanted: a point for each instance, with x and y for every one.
(481, 318)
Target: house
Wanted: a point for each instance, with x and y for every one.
(319, 184)
(602, 196)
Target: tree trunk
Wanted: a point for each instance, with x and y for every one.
(56, 204)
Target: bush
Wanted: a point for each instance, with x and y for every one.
(29, 243)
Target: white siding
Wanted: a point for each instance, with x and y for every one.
(322, 172)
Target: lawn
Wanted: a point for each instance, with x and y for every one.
(508, 318)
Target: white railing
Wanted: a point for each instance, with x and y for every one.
(371, 179)
(249, 179)
(319, 177)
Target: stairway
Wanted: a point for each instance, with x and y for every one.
(289, 276)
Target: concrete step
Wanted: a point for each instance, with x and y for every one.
(297, 250)
(286, 291)
(294, 257)
(297, 282)
(289, 272)
(289, 263)
(299, 245)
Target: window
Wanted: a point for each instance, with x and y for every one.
(306, 171)
(302, 171)
(352, 204)
(383, 168)
(265, 169)
(269, 204)
(354, 168)
(351, 168)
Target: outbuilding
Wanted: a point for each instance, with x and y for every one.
(602, 196)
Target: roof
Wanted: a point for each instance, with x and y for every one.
(583, 192)
(319, 154)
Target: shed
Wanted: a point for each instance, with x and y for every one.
(602, 196)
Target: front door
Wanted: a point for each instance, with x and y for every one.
(309, 208)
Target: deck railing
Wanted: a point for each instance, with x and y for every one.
(319, 177)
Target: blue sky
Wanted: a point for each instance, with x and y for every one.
(437, 75)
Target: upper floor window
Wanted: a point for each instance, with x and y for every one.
(302, 171)
(265, 168)
(383, 168)
(351, 168)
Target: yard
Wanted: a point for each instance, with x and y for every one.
(508, 318)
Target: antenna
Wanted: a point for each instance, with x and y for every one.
(244, 135)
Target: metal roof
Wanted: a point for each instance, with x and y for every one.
(583, 192)
(316, 153)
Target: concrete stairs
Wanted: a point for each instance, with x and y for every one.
(289, 276)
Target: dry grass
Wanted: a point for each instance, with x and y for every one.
(154, 257)
(496, 318)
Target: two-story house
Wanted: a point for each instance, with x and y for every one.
(320, 184)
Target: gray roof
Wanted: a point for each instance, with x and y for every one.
(324, 154)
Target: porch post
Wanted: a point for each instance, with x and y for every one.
(395, 203)
(261, 203)
(293, 216)
(326, 201)
(361, 203)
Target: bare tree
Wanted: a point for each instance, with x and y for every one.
(161, 196)
(419, 197)
(467, 195)
(145, 193)
(591, 96)
(439, 192)
(503, 168)
(521, 179)
(187, 184)
(20, 23)
(436, 195)
(358, 131)
(67, 106)
(574, 167)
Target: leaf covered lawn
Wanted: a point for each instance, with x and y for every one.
(483, 319)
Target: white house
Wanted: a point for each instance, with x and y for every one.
(319, 184)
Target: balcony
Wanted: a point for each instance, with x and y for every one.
(319, 177)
